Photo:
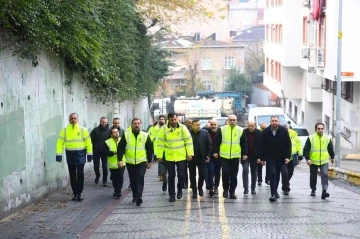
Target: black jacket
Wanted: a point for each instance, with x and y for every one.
(257, 143)
(122, 146)
(98, 136)
(218, 139)
(276, 147)
(204, 143)
(307, 148)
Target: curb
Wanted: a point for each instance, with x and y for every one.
(348, 176)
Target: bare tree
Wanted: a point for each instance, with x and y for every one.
(254, 61)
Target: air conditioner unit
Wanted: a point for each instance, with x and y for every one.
(306, 3)
(312, 69)
(182, 82)
(305, 53)
(320, 57)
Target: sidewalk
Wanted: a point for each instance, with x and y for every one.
(250, 216)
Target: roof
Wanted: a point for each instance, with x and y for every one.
(189, 42)
(252, 34)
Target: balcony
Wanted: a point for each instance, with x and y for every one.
(314, 94)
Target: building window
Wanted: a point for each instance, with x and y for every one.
(305, 31)
(276, 70)
(279, 72)
(347, 90)
(322, 32)
(267, 32)
(229, 63)
(267, 66)
(295, 113)
(207, 85)
(333, 87)
(277, 33)
(290, 108)
(326, 85)
(302, 117)
(272, 68)
(273, 33)
(206, 64)
(327, 124)
(197, 37)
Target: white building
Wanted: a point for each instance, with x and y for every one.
(301, 63)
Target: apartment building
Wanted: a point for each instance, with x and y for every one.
(207, 60)
(308, 91)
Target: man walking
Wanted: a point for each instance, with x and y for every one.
(202, 152)
(260, 165)
(137, 147)
(276, 151)
(296, 156)
(188, 123)
(230, 146)
(116, 169)
(98, 136)
(77, 146)
(214, 165)
(116, 124)
(175, 143)
(317, 151)
(253, 139)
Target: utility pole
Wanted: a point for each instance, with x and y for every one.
(338, 89)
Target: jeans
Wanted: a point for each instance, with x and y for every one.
(76, 178)
(200, 165)
(180, 166)
(245, 174)
(230, 169)
(117, 176)
(290, 173)
(137, 174)
(324, 176)
(97, 157)
(274, 169)
(214, 170)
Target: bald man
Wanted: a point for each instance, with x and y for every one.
(253, 138)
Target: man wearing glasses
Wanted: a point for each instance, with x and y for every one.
(317, 151)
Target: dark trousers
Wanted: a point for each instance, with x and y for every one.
(213, 168)
(323, 173)
(76, 177)
(245, 173)
(159, 168)
(163, 171)
(117, 176)
(180, 167)
(97, 157)
(275, 169)
(259, 173)
(137, 175)
(200, 164)
(230, 169)
(290, 172)
(186, 174)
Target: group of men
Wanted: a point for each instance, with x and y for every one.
(211, 151)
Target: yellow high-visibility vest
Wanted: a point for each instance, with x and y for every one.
(230, 143)
(295, 143)
(135, 151)
(319, 154)
(113, 160)
(74, 137)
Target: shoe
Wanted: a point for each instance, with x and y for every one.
(134, 199)
(226, 194)
(118, 196)
(277, 195)
(267, 182)
(164, 187)
(74, 198)
(216, 190)
(179, 195)
(259, 183)
(272, 198)
(172, 199)
(325, 195)
(105, 185)
(194, 195)
(233, 196)
(211, 193)
(313, 194)
(139, 201)
(253, 191)
(286, 192)
(97, 179)
(201, 192)
(80, 198)
(185, 186)
(246, 191)
(129, 187)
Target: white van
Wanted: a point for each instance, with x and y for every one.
(263, 115)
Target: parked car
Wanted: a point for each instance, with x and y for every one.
(302, 133)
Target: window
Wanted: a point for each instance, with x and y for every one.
(322, 32)
(295, 113)
(229, 63)
(326, 85)
(302, 117)
(197, 37)
(347, 90)
(290, 108)
(267, 32)
(277, 33)
(305, 31)
(267, 66)
(207, 85)
(206, 64)
(333, 87)
(267, 3)
(327, 124)
(280, 33)
(272, 68)
(276, 70)
(273, 33)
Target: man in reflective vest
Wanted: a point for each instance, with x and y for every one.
(116, 168)
(77, 145)
(230, 146)
(137, 147)
(175, 143)
(296, 156)
(317, 151)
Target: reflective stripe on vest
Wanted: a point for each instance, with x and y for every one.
(319, 154)
(135, 151)
(230, 143)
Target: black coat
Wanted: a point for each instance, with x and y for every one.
(98, 136)
(204, 143)
(275, 148)
(257, 143)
